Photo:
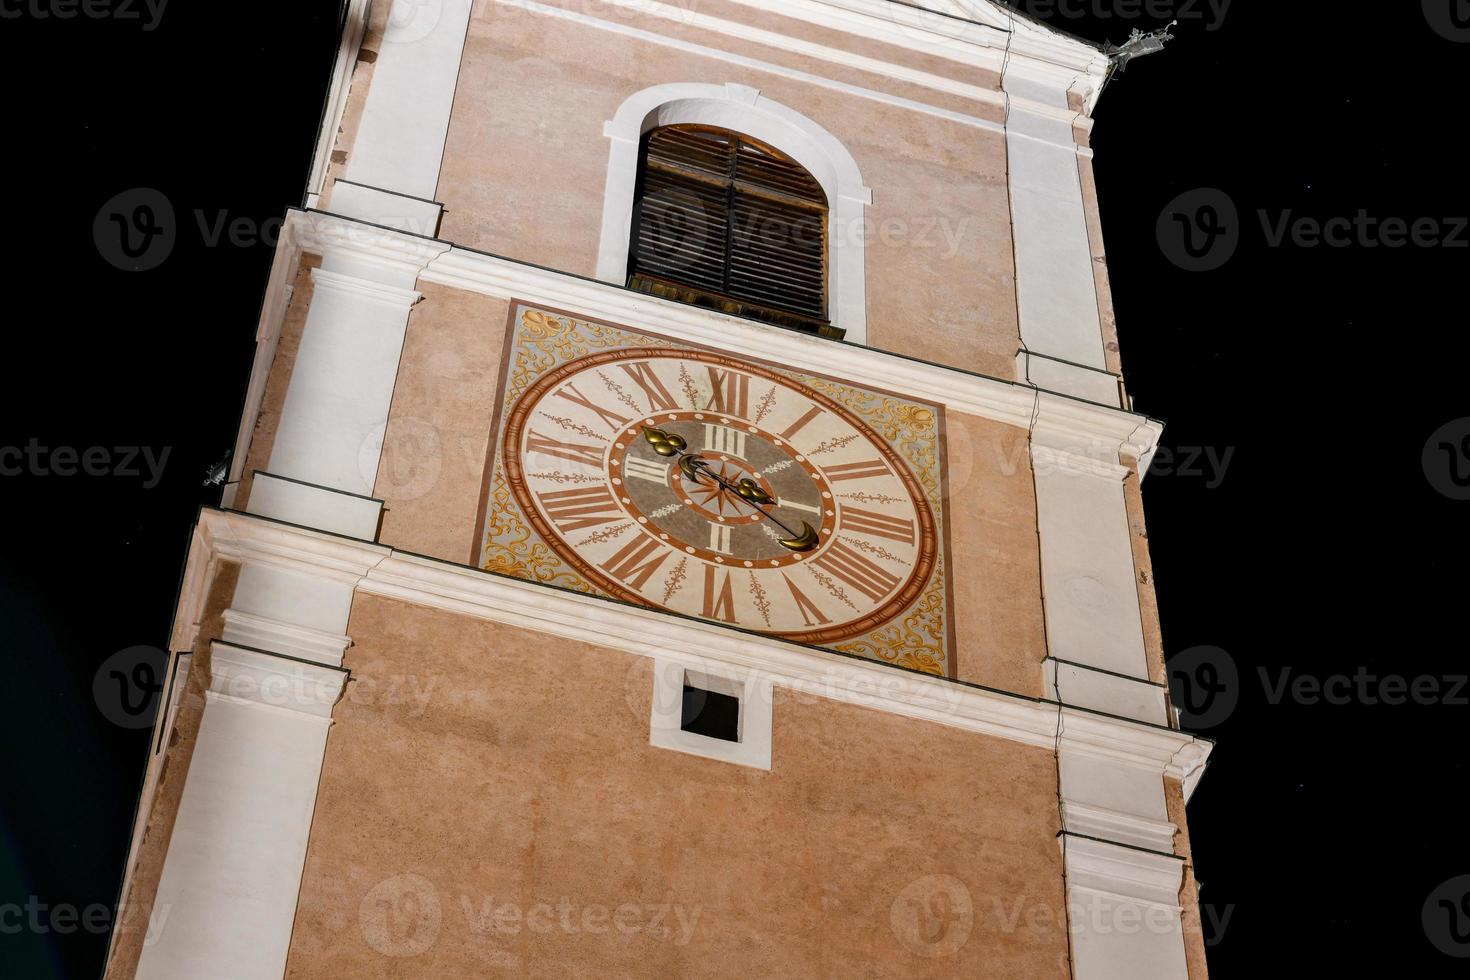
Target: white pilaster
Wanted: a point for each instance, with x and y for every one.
(227, 895)
(400, 140)
(1091, 599)
(329, 438)
(1123, 907)
(1056, 295)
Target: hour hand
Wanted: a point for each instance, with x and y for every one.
(664, 443)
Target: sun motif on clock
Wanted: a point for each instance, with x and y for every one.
(711, 486)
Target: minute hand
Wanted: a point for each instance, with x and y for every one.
(693, 465)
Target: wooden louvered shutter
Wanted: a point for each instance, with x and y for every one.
(724, 222)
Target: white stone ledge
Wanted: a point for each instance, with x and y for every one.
(459, 589)
(294, 502)
(1102, 690)
(1067, 425)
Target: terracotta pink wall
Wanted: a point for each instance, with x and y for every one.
(437, 441)
(525, 168)
(474, 767)
(438, 434)
(995, 562)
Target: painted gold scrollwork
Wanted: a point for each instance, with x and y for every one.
(543, 340)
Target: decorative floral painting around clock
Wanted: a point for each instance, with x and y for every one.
(633, 466)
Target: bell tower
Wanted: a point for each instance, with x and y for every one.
(686, 520)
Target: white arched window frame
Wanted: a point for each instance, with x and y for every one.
(744, 110)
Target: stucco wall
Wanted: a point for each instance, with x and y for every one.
(476, 771)
(995, 561)
(434, 456)
(438, 435)
(525, 167)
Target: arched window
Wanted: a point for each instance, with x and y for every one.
(723, 221)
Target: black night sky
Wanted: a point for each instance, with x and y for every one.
(1307, 538)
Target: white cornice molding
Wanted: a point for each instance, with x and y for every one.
(241, 538)
(979, 34)
(258, 632)
(1057, 80)
(379, 570)
(247, 676)
(1118, 826)
(1071, 429)
(1128, 873)
(366, 288)
(797, 45)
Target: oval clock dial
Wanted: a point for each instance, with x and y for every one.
(771, 507)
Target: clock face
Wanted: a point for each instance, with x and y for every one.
(779, 511)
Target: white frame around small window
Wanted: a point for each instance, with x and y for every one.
(666, 715)
(744, 110)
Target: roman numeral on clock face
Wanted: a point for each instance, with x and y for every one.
(659, 399)
(878, 525)
(637, 468)
(719, 602)
(637, 561)
(855, 471)
(801, 423)
(810, 614)
(857, 571)
(573, 510)
(731, 392)
(719, 439)
(571, 394)
(719, 538)
(576, 452)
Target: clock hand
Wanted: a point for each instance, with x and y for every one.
(693, 465)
